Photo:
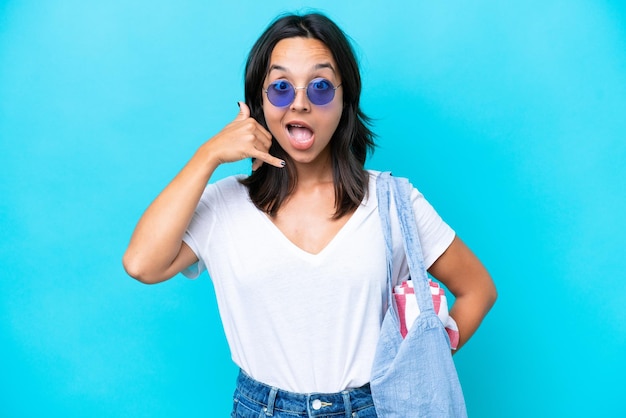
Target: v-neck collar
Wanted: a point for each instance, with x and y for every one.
(359, 213)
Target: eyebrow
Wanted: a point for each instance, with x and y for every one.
(324, 65)
(316, 67)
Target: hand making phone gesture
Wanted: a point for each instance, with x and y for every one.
(156, 251)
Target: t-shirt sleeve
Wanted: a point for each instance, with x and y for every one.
(435, 235)
(198, 232)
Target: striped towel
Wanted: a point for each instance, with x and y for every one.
(409, 311)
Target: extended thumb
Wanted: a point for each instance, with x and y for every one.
(244, 111)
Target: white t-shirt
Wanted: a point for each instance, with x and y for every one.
(299, 321)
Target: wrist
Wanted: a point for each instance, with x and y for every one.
(206, 160)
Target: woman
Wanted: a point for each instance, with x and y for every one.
(295, 250)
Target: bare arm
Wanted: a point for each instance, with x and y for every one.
(468, 280)
(156, 251)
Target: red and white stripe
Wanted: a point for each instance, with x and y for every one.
(408, 310)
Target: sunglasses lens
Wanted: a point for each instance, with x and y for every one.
(280, 93)
(320, 91)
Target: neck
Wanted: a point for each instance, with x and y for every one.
(311, 174)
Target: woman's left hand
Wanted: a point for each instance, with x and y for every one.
(468, 280)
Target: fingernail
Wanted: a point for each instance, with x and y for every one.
(239, 105)
(282, 163)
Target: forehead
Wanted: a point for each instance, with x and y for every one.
(301, 52)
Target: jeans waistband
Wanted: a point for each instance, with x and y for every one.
(305, 404)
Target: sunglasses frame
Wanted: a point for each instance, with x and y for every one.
(305, 88)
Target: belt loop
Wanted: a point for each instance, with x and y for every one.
(271, 400)
(347, 404)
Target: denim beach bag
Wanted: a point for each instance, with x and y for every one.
(414, 376)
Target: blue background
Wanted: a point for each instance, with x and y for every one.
(509, 117)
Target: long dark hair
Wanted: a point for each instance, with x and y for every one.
(268, 186)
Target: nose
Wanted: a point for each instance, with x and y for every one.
(301, 101)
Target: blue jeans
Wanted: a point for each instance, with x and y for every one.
(254, 399)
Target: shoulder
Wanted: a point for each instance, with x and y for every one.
(373, 178)
(370, 196)
(375, 174)
(229, 183)
(224, 189)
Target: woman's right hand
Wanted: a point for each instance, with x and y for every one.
(242, 138)
(156, 251)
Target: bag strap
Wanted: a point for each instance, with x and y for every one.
(383, 191)
(401, 189)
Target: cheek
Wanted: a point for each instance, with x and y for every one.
(272, 116)
(274, 125)
(337, 117)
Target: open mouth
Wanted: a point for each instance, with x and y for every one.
(301, 136)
